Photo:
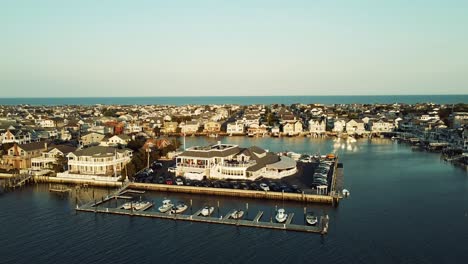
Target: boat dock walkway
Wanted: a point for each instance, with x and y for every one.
(321, 228)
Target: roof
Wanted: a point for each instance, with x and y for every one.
(65, 149)
(99, 151)
(33, 145)
(269, 158)
(284, 163)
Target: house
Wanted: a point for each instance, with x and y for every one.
(156, 143)
(15, 136)
(50, 157)
(355, 127)
(339, 125)
(235, 128)
(190, 127)
(257, 130)
(169, 127)
(116, 140)
(381, 125)
(317, 126)
(228, 161)
(97, 163)
(212, 127)
(92, 138)
(19, 155)
(292, 128)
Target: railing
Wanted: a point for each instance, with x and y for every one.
(192, 166)
(98, 163)
(238, 165)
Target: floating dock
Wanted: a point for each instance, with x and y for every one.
(320, 228)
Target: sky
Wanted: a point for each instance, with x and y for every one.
(226, 48)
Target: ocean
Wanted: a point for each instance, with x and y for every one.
(405, 206)
(241, 100)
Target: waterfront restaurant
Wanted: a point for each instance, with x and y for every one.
(227, 161)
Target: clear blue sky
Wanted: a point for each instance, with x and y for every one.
(242, 47)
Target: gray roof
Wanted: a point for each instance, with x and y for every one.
(99, 151)
(211, 153)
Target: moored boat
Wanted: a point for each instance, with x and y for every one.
(237, 214)
(179, 208)
(142, 206)
(207, 210)
(166, 206)
(126, 206)
(311, 219)
(281, 215)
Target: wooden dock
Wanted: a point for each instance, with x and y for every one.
(321, 228)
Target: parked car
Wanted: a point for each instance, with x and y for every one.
(264, 186)
(172, 169)
(179, 181)
(169, 181)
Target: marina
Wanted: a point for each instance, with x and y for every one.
(198, 216)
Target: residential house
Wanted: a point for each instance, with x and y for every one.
(190, 127)
(97, 163)
(235, 128)
(382, 125)
(339, 125)
(117, 140)
(212, 127)
(169, 127)
(19, 156)
(292, 128)
(92, 138)
(317, 126)
(50, 157)
(355, 127)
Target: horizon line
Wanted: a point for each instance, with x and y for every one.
(196, 96)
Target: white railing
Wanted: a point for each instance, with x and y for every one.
(192, 166)
(99, 163)
(238, 165)
(86, 177)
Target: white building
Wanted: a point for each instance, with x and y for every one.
(97, 163)
(382, 126)
(116, 140)
(292, 128)
(235, 128)
(225, 161)
(339, 125)
(49, 157)
(355, 127)
(317, 126)
(190, 127)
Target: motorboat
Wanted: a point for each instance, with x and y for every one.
(127, 206)
(281, 215)
(142, 205)
(345, 193)
(237, 214)
(166, 206)
(179, 208)
(311, 219)
(207, 210)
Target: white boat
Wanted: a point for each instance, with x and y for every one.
(311, 219)
(207, 210)
(179, 208)
(345, 192)
(281, 215)
(237, 214)
(166, 206)
(126, 206)
(142, 206)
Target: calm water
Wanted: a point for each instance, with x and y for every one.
(405, 207)
(242, 100)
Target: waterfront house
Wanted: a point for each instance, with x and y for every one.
(292, 128)
(97, 163)
(19, 155)
(212, 127)
(339, 125)
(15, 136)
(317, 126)
(228, 161)
(50, 157)
(381, 125)
(235, 128)
(190, 127)
(355, 127)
